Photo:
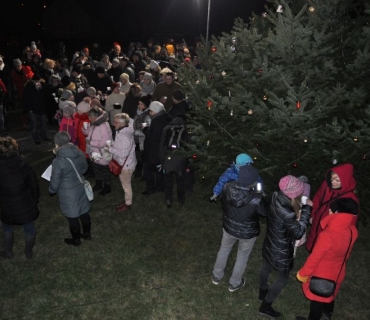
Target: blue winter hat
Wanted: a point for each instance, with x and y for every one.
(242, 160)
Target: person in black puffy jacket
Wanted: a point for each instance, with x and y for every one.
(283, 228)
(19, 196)
(242, 205)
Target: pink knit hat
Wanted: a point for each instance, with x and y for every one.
(291, 186)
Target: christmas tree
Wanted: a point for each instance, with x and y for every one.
(290, 88)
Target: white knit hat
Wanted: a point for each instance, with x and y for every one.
(156, 106)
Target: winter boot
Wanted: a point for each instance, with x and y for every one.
(76, 241)
(86, 231)
(8, 245)
(98, 185)
(326, 316)
(105, 190)
(123, 207)
(30, 242)
(266, 310)
(262, 294)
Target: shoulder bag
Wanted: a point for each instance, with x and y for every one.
(88, 189)
(115, 167)
(325, 287)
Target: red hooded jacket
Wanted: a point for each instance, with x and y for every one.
(329, 252)
(325, 195)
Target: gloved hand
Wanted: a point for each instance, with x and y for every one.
(213, 198)
(301, 279)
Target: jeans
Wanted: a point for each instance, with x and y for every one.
(125, 178)
(28, 228)
(38, 132)
(277, 286)
(244, 250)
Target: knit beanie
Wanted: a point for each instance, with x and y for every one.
(67, 109)
(83, 106)
(178, 94)
(61, 138)
(153, 64)
(291, 186)
(91, 91)
(344, 205)
(156, 106)
(146, 100)
(17, 62)
(147, 75)
(115, 60)
(248, 175)
(66, 94)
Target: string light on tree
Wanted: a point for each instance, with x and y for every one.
(264, 14)
(280, 9)
(355, 139)
(364, 157)
(209, 104)
(231, 112)
(305, 140)
(311, 9)
(223, 73)
(335, 161)
(250, 112)
(264, 98)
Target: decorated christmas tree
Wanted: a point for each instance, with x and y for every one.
(290, 88)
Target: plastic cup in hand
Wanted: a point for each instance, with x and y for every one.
(108, 143)
(86, 125)
(304, 200)
(144, 124)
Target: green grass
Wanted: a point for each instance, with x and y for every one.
(149, 263)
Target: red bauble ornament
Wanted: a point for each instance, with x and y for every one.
(213, 49)
(257, 144)
(209, 104)
(260, 70)
(298, 105)
(295, 165)
(194, 156)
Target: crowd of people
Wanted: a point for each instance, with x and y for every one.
(128, 107)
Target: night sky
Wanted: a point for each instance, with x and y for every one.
(126, 20)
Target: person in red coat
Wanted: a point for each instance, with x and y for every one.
(81, 116)
(327, 260)
(20, 76)
(339, 183)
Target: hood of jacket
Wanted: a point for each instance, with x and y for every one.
(239, 196)
(101, 119)
(345, 173)
(68, 150)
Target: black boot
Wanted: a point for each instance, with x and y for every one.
(30, 242)
(86, 231)
(105, 190)
(8, 245)
(76, 241)
(262, 294)
(266, 310)
(98, 185)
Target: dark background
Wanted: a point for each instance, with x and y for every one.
(82, 22)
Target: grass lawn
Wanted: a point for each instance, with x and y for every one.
(150, 263)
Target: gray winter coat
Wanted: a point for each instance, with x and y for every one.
(64, 181)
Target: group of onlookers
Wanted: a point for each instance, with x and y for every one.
(332, 214)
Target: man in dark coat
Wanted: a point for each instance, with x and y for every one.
(34, 106)
(19, 196)
(242, 205)
(101, 81)
(151, 155)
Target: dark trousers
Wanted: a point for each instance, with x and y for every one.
(37, 126)
(153, 177)
(74, 223)
(101, 173)
(318, 308)
(278, 285)
(180, 186)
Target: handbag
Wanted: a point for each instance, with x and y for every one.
(88, 189)
(115, 167)
(325, 287)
